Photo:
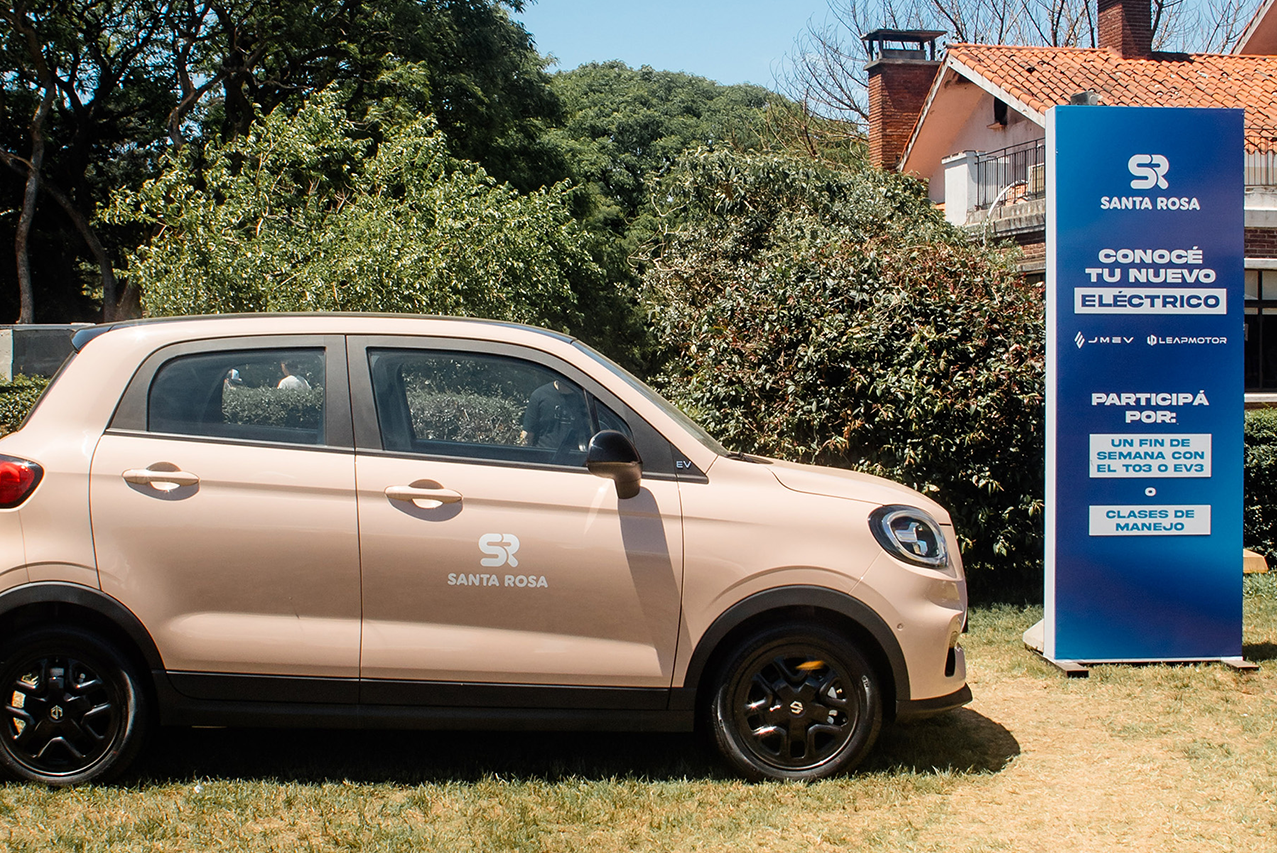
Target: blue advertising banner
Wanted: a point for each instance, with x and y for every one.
(1144, 384)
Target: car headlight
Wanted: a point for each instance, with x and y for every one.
(910, 534)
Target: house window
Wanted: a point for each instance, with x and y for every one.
(1261, 330)
(999, 113)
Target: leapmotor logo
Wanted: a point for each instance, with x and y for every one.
(1157, 340)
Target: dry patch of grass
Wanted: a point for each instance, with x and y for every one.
(1131, 759)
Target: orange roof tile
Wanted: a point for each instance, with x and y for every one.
(1042, 77)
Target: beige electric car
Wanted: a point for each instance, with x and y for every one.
(375, 521)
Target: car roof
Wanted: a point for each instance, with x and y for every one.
(330, 322)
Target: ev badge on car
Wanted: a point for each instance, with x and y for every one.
(500, 547)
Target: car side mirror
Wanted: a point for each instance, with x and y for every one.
(612, 455)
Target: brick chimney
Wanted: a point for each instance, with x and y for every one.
(902, 65)
(1126, 28)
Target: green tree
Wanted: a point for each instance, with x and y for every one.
(93, 92)
(622, 128)
(307, 212)
(77, 95)
(833, 316)
(624, 125)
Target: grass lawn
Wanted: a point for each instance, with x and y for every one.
(1131, 759)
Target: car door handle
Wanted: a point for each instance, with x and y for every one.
(416, 493)
(163, 476)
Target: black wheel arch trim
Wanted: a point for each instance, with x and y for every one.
(62, 592)
(818, 597)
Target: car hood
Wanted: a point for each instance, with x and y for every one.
(852, 485)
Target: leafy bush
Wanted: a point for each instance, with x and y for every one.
(1259, 514)
(271, 406)
(307, 213)
(465, 417)
(17, 398)
(833, 316)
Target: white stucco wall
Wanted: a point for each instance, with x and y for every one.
(976, 135)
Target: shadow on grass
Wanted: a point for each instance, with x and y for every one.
(961, 741)
(1258, 652)
(417, 757)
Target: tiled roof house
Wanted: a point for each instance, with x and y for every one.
(972, 124)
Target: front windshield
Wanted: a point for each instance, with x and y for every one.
(647, 391)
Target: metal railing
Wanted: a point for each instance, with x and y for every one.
(1261, 156)
(1012, 174)
(1018, 172)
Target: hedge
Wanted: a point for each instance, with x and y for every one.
(17, 398)
(833, 316)
(272, 406)
(1259, 477)
(484, 419)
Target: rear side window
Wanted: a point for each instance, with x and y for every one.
(480, 406)
(274, 395)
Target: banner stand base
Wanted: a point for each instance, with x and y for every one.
(1240, 665)
(1033, 640)
(1079, 669)
(1071, 668)
(1034, 643)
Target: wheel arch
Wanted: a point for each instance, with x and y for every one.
(61, 603)
(803, 603)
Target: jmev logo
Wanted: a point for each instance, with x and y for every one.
(1079, 340)
(1149, 171)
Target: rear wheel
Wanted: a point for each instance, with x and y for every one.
(795, 702)
(74, 710)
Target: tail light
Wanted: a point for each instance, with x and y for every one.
(18, 479)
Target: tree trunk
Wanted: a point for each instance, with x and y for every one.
(18, 17)
(26, 294)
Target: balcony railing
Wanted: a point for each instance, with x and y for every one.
(1012, 174)
(1261, 156)
(1018, 172)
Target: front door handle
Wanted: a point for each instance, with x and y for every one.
(164, 476)
(436, 495)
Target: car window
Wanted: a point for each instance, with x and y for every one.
(481, 406)
(660, 402)
(274, 395)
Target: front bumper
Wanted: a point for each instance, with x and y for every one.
(916, 709)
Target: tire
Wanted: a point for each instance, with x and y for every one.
(795, 702)
(74, 710)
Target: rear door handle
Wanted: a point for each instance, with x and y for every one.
(164, 476)
(437, 496)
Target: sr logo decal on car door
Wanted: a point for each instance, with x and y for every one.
(501, 548)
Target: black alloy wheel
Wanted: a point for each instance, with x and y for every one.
(73, 709)
(798, 703)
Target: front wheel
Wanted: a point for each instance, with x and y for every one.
(795, 702)
(74, 710)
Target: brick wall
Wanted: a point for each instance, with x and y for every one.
(897, 91)
(1125, 27)
(1261, 243)
(1034, 247)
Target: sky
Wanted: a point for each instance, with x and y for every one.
(743, 41)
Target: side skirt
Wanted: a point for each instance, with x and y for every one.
(203, 699)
